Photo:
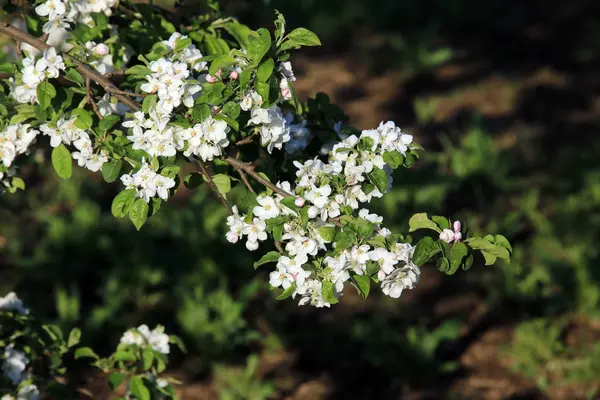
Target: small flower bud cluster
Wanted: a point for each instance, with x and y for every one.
(148, 183)
(323, 191)
(35, 72)
(287, 76)
(142, 336)
(99, 57)
(65, 131)
(449, 235)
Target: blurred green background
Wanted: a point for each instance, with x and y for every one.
(504, 95)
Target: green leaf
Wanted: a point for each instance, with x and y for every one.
(170, 171)
(230, 121)
(45, 93)
(149, 102)
(457, 257)
(182, 44)
(239, 32)
(74, 337)
(262, 88)
(222, 182)
(393, 158)
(424, 250)
(259, 43)
(272, 256)
(193, 180)
(245, 79)
(200, 112)
(443, 265)
(442, 222)
(123, 355)
(138, 70)
(74, 76)
(327, 233)
(122, 203)
(84, 118)
(490, 248)
(265, 70)
(111, 169)
(108, 122)
(221, 62)
(85, 352)
(138, 389)
(147, 358)
(61, 161)
(304, 37)
(501, 241)
(287, 292)
(6, 68)
(421, 221)
(490, 259)
(328, 292)
(139, 213)
(363, 284)
(115, 379)
(379, 178)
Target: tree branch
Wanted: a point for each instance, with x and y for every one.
(213, 187)
(90, 98)
(83, 69)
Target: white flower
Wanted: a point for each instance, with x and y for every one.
(11, 302)
(289, 270)
(385, 260)
(447, 235)
(251, 99)
(405, 277)
(255, 232)
(53, 9)
(374, 218)
(28, 392)
(267, 208)
(142, 336)
(311, 294)
(287, 71)
(236, 226)
(14, 364)
(274, 131)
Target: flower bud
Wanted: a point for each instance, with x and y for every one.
(233, 75)
(313, 212)
(287, 227)
(384, 232)
(101, 49)
(299, 202)
(457, 226)
(457, 236)
(218, 73)
(447, 235)
(210, 78)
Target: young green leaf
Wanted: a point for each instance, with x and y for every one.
(74, 76)
(379, 178)
(424, 250)
(363, 284)
(122, 203)
(115, 379)
(328, 292)
(111, 169)
(458, 255)
(45, 93)
(147, 358)
(393, 158)
(74, 337)
(139, 213)
(272, 256)
(421, 221)
(61, 161)
(287, 292)
(304, 37)
(327, 233)
(138, 389)
(222, 182)
(265, 70)
(85, 352)
(259, 43)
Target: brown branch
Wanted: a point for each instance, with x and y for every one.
(83, 69)
(245, 179)
(5, 75)
(213, 187)
(110, 75)
(247, 140)
(90, 98)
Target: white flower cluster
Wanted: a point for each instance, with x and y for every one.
(169, 79)
(148, 183)
(14, 363)
(15, 140)
(11, 302)
(142, 336)
(35, 72)
(324, 190)
(287, 74)
(189, 55)
(66, 131)
(61, 13)
(274, 131)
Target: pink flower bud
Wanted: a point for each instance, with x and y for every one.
(218, 73)
(447, 236)
(457, 226)
(210, 78)
(286, 94)
(457, 236)
(299, 202)
(287, 227)
(101, 49)
(233, 75)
